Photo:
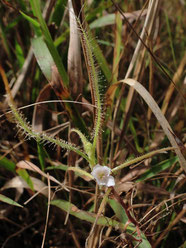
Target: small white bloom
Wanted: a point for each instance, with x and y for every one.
(102, 175)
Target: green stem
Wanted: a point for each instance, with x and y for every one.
(145, 156)
(42, 137)
(93, 78)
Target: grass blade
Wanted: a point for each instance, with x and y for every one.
(157, 169)
(7, 164)
(43, 57)
(101, 220)
(160, 117)
(54, 53)
(9, 201)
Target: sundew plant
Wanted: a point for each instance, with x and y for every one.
(92, 118)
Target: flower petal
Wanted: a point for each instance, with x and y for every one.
(95, 170)
(107, 170)
(101, 182)
(110, 181)
(102, 175)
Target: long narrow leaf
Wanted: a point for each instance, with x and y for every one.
(43, 57)
(54, 53)
(160, 117)
(102, 220)
(7, 164)
(9, 201)
(157, 169)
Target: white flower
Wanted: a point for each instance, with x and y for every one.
(102, 175)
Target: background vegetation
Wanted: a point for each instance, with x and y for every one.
(92, 115)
